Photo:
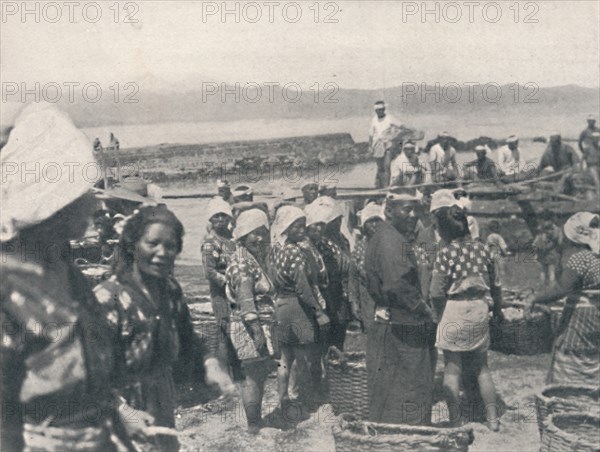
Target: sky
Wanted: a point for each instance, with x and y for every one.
(362, 45)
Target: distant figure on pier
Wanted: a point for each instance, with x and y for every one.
(442, 159)
(485, 167)
(328, 189)
(310, 192)
(97, 145)
(243, 193)
(405, 169)
(114, 143)
(380, 142)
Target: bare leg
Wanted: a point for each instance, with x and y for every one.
(487, 388)
(283, 373)
(251, 390)
(452, 374)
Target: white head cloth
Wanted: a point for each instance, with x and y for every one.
(329, 209)
(218, 205)
(577, 229)
(443, 198)
(286, 215)
(45, 165)
(370, 211)
(248, 221)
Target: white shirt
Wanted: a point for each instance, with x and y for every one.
(507, 161)
(401, 165)
(380, 133)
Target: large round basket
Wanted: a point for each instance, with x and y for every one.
(347, 381)
(571, 432)
(205, 325)
(562, 399)
(352, 435)
(522, 336)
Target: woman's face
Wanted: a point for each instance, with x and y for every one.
(256, 240)
(315, 232)
(297, 230)
(156, 251)
(220, 221)
(371, 226)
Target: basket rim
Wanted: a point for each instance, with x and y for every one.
(540, 394)
(402, 428)
(570, 437)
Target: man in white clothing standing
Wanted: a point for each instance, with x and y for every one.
(383, 129)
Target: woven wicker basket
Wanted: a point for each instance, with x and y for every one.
(522, 336)
(351, 435)
(571, 432)
(562, 399)
(205, 325)
(347, 380)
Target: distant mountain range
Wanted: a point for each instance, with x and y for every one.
(197, 102)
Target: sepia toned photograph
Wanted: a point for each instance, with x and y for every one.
(321, 226)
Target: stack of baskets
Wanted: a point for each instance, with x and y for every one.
(520, 336)
(352, 434)
(565, 399)
(347, 381)
(572, 432)
(205, 324)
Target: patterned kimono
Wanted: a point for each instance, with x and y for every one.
(58, 362)
(250, 291)
(296, 305)
(336, 294)
(157, 343)
(576, 354)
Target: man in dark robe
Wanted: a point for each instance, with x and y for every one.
(399, 347)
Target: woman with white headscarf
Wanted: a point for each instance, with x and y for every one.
(298, 314)
(251, 292)
(217, 251)
(576, 351)
(57, 349)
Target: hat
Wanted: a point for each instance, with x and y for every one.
(241, 190)
(591, 117)
(443, 198)
(222, 183)
(401, 194)
(379, 105)
(555, 134)
(480, 148)
(328, 186)
(308, 183)
(512, 139)
(444, 134)
(248, 221)
(330, 207)
(285, 217)
(317, 213)
(370, 211)
(578, 230)
(218, 205)
(45, 139)
(409, 145)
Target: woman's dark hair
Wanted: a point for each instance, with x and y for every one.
(452, 223)
(134, 230)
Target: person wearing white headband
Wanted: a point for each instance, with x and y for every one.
(509, 156)
(381, 134)
(576, 354)
(251, 293)
(310, 192)
(217, 250)
(300, 319)
(586, 137)
(396, 359)
(44, 288)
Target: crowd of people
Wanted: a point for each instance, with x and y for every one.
(400, 162)
(96, 369)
